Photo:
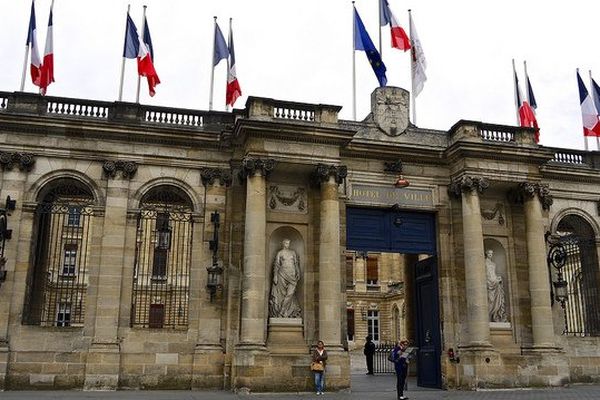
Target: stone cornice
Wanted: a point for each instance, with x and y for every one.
(210, 175)
(467, 183)
(323, 172)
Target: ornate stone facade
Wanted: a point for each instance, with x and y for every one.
(109, 279)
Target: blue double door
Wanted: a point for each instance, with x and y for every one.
(407, 232)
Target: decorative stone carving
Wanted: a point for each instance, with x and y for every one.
(491, 214)
(210, 175)
(288, 198)
(128, 168)
(529, 190)
(468, 184)
(25, 161)
(323, 172)
(393, 166)
(390, 110)
(251, 166)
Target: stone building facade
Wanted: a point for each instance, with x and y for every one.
(139, 252)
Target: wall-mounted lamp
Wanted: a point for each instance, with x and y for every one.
(213, 282)
(557, 258)
(5, 233)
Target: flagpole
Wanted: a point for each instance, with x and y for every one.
(592, 93)
(412, 78)
(353, 62)
(585, 142)
(526, 81)
(212, 70)
(515, 79)
(139, 80)
(228, 64)
(380, 47)
(123, 62)
(26, 53)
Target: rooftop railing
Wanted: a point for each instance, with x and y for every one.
(259, 107)
(33, 104)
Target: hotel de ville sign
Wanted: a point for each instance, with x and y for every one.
(382, 195)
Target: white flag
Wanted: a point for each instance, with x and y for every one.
(418, 62)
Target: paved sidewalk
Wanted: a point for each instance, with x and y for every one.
(363, 387)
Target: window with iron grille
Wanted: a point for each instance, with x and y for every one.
(57, 281)
(69, 259)
(162, 260)
(350, 318)
(581, 271)
(349, 270)
(63, 314)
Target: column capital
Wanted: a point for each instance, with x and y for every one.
(529, 190)
(251, 166)
(211, 175)
(25, 161)
(467, 183)
(128, 168)
(323, 172)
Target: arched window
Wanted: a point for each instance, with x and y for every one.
(161, 276)
(581, 271)
(57, 283)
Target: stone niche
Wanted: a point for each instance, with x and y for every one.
(286, 335)
(501, 260)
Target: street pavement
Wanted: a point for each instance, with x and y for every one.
(364, 387)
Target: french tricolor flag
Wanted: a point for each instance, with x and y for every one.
(233, 87)
(47, 71)
(134, 48)
(589, 113)
(400, 39)
(525, 113)
(35, 63)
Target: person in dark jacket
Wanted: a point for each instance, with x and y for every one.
(369, 352)
(320, 355)
(400, 358)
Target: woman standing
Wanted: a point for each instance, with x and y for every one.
(319, 356)
(400, 358)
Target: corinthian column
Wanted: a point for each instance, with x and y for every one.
(535, 198)
(478, 322)
(254, 281)
(330, 292)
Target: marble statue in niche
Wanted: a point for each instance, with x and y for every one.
(286, 274)
(495, 289)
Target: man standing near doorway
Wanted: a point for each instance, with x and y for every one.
(369, 352)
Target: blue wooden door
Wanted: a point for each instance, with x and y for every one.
(427, 324)
(407, 232)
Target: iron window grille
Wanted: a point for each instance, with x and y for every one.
(162, 262)
(58, 280)
(581, 272)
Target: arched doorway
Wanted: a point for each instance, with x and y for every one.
(582, 307)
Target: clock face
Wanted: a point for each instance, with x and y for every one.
(391, 111)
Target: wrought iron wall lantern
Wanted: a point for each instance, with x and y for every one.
(5, 233)
(215, 270)
(557, 258)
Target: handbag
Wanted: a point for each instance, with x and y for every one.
(316, 366)
(390, 357)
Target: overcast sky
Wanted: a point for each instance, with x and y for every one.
(302, 51)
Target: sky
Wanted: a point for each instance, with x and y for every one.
(302, 51)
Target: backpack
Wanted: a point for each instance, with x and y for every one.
(391, 356)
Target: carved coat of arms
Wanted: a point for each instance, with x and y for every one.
(390, 110)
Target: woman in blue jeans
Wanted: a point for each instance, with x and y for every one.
(320, 355)
(400, 358)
